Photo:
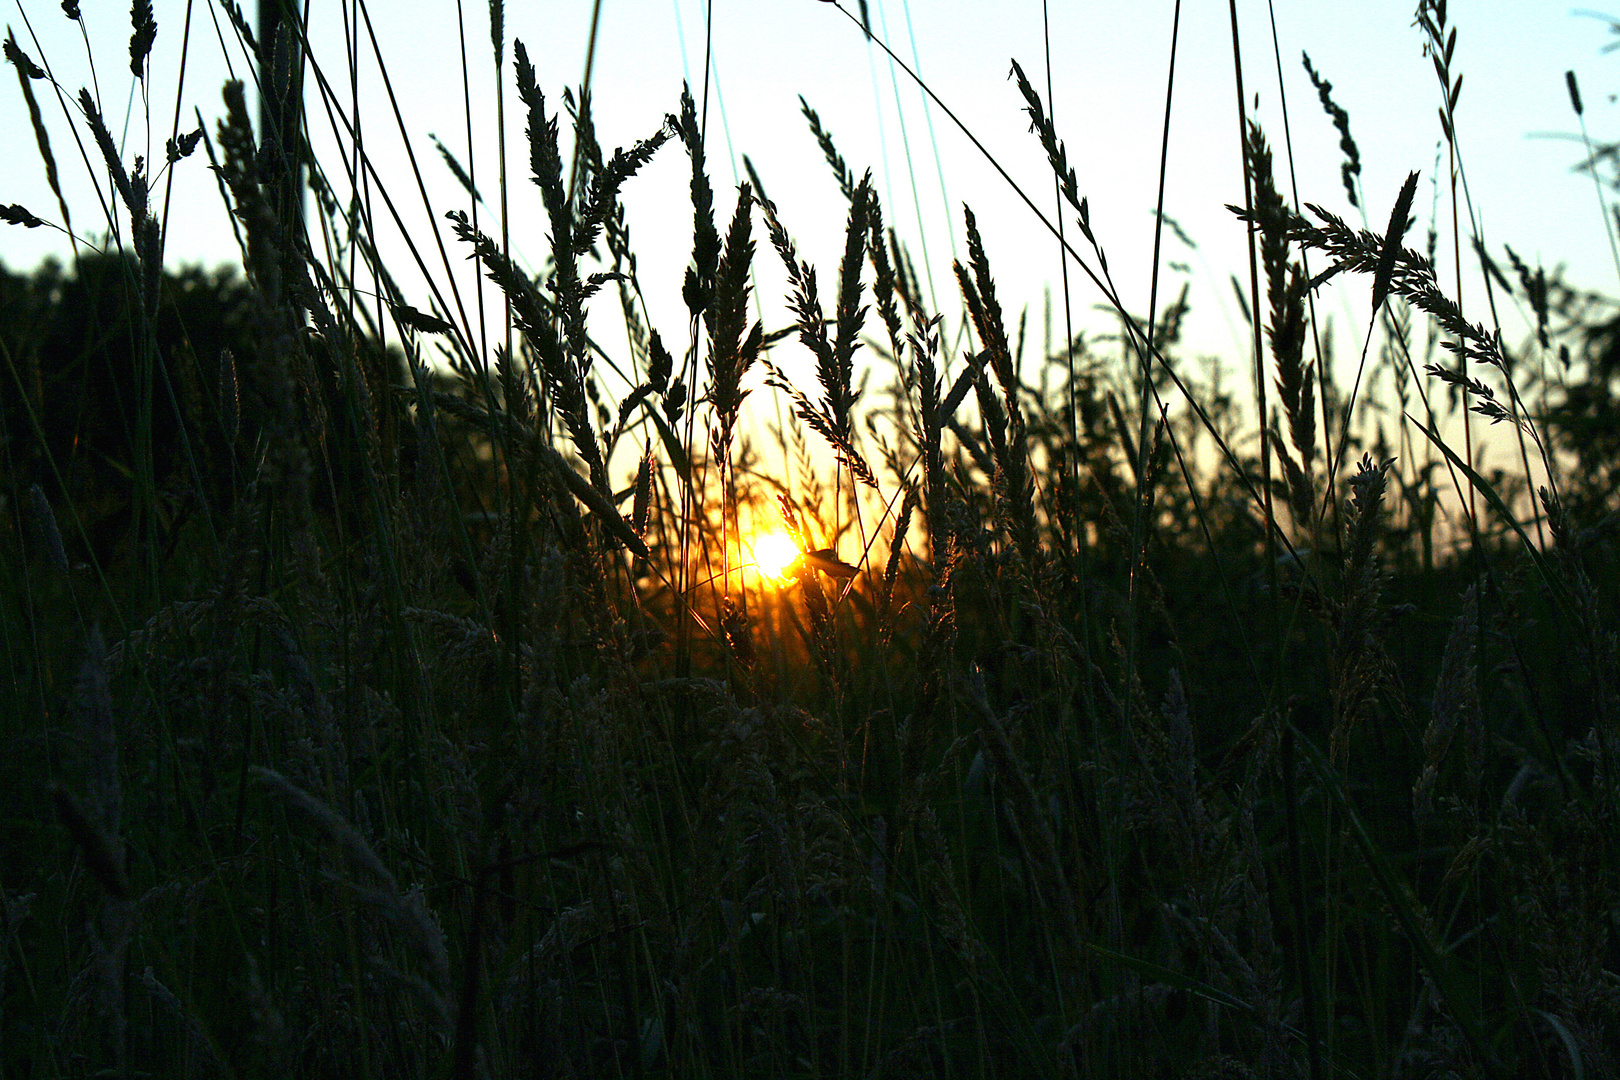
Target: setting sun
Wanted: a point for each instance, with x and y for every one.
(774, 553)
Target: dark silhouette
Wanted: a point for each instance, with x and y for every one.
(78, 381)
(76, 388)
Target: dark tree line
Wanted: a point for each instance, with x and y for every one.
(83, 394)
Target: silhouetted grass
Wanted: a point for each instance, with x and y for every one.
(416, 709)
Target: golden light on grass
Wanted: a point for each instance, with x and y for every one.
(774, 555)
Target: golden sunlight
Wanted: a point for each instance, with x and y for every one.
(774, 554)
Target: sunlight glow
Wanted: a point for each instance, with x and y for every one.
(775, 554)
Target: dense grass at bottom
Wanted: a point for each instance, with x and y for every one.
(343, 804)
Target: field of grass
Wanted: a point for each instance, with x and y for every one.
(386, 695)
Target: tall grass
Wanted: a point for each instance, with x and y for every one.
(391, 692)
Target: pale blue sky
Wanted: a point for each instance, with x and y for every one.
(1109, 75)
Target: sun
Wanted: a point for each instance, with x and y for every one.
(774, 553)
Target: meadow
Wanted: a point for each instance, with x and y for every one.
(440, 684)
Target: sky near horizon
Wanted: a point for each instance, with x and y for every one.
(1108, 72)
